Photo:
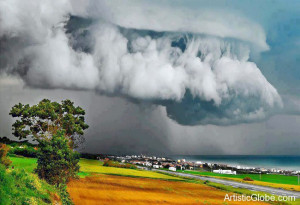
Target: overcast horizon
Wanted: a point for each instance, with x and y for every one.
(161, 77)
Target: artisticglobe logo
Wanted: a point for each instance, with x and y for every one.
(258, 197)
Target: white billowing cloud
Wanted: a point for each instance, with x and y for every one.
(141, 14)
(146, 73)
(54, 63)
(246, 79)
(21, 18)
(143, 67)
(39, 26)
(155, 69)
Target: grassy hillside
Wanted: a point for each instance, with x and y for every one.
(20, 187)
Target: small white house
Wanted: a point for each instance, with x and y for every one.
(156, 166)
(220, 171)
(172, 169)
(148, 164)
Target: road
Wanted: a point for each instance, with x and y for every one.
(252, 187)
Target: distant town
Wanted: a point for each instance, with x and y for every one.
(154, 162)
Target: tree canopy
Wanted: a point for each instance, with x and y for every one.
(45, 119)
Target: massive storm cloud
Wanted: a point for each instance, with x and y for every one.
(197, 64)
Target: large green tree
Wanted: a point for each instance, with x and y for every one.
(58, 128)
(43, 120)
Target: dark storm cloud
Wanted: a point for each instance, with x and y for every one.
(220, 66)
(196, 64)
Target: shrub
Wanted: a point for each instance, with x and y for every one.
(3, 155)
(206, 182)
(57, 163)
(110, 163)
(248, 179)
(26, 151)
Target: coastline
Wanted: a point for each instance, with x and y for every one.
(278, 162)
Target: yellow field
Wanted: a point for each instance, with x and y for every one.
(94, 166)
(109, 189)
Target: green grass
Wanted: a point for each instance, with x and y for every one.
(86, 162)
(95, 166)
(20, 187)
(28, 164)
(271, 178)
(83, 174)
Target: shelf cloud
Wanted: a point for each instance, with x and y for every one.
(197, 64)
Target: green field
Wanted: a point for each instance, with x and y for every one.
(271, 178)
(29, 164)
(88, 167)
(95, 166)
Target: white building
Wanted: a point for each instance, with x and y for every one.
(148, 164)
(172, 169)
(220, 171)
(156, 166)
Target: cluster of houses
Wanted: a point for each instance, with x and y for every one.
(153, 162)
(255, 170)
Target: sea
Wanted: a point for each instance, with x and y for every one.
(285, 162)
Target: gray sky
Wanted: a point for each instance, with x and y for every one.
(119, 126)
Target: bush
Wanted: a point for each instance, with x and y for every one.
(248, 179)
(110, 163)
(26, 151)
(206, 182)
(3, 155)
(57, 163)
